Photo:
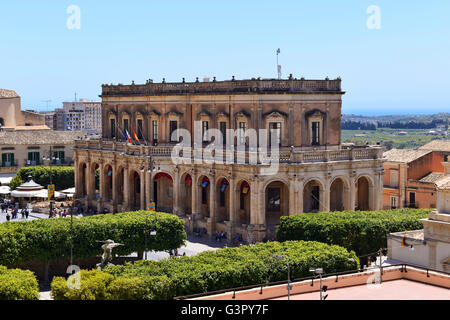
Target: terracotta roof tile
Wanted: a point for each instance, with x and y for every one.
(437, 145)
(37, 137)
(432, 177)
(404, 155)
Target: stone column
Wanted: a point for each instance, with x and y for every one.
(126, 188)
(292, 198)
(176, 193)
(89, 178)
(325, 200)
(232, 205)
(211, 223)
(76, 178)
(114, 188)
(254, 201)
(142, 190)
(148, 181)
(101, 188)
(194, 204)
(299, 197)
(261, 210)
(352, 193)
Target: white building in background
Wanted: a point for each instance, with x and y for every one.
(83, 115)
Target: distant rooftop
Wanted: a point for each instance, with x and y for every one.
(251, 86)
(4, 93)
(38, 137)
(432, 177)
(404, 155)
(443, 184)
(437, 145)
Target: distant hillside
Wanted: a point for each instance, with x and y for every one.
(395, 118)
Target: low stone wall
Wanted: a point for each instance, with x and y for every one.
(45, 271)
(334, 282)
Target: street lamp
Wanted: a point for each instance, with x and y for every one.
(289, 286)
(152, 232)
(50, 158)
(319, 271)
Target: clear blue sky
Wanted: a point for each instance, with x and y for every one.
(402, 68)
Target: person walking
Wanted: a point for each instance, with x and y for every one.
(26, 213)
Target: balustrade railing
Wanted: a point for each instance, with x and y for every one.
(226, 156)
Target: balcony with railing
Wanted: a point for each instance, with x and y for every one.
(284, 155)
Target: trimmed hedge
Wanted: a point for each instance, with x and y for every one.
(361, 231)
(49, 239)
(18, 284)
(62, 177)
(214, 270)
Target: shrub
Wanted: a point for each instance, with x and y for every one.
(361, 231)
(62, 177)
(93, 286)
(15, 182)
(18, 284)
(236, 267)
(99, 285)
(49, 239)
(216, 270)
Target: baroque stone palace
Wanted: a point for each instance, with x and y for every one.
(315, 172)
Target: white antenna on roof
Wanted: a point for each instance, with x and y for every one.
(278, 65)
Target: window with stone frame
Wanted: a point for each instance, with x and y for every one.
(155, 131)
(242, 131)
(173, 126)
(112, 126)
(315, 133)
(205, 125)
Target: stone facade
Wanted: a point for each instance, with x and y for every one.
(315, 172)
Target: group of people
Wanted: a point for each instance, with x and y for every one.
(221, 236)
(59, 212)
(12, 210)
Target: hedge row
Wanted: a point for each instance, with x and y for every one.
(62, 177)
(208, 271)
(18, 284)
(361, 231)
(49, 239)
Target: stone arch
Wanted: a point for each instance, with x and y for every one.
(339, 194)
(223, 191)
(364, 193)
(82, 171)
(185, 193)
(163, 191)
(94, 178)
(276, 203)
(313, 195)
(243, 201)
(120, 182)
(134, 192)
(203, 196)
(108, 182)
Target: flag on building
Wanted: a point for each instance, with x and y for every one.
(128, 136)
(134, 135)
